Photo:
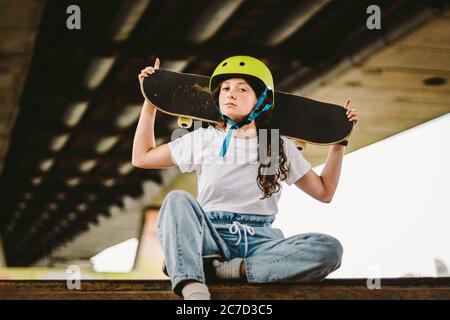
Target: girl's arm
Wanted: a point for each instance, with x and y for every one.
(145, 154)
(324, 186)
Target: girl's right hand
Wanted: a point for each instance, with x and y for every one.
(148, 71)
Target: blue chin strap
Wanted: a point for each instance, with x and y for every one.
(256, 111)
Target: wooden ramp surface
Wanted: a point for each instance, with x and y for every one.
(391, 288)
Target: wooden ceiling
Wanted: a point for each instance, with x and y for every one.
(67, 133)
(397, 88)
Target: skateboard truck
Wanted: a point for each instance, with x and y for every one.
(184, 122)
(299, 144)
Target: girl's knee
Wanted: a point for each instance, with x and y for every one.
(327, 249)
(178, 207)
(178, 196)
(332, 251)
(168, 209)
(174, 201)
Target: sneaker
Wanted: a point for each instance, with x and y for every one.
(208, 268)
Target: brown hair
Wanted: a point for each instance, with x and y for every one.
(269, 184)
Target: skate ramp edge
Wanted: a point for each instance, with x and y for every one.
(364, 289)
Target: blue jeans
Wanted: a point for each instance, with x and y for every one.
(187, 234)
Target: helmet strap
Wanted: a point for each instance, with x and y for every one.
(256, 111)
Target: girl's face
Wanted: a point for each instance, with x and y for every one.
(236, 98)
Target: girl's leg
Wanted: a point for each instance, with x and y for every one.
(303, 257)
(185, 234)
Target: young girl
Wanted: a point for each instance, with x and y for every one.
(238, 188)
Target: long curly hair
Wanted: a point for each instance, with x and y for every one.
(268, 183)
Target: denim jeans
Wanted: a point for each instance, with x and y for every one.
(187, 234)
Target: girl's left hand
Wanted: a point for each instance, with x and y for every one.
(351, 113)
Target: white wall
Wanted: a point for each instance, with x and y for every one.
(391, 210)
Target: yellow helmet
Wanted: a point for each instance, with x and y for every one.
(243, 65)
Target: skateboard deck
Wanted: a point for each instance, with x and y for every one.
(187, 96)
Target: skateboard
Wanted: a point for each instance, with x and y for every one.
(303, 120)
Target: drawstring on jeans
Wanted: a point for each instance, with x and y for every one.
(234, 229)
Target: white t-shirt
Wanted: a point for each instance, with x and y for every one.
(229, 183)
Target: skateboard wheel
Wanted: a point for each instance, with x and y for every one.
(300, 144)
(184, 122)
